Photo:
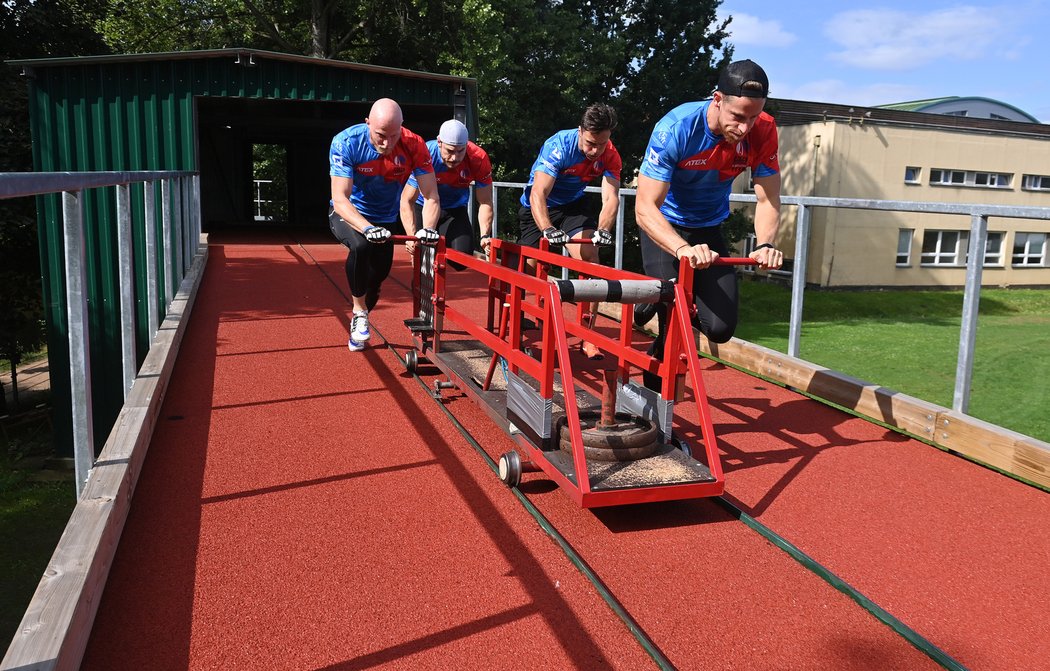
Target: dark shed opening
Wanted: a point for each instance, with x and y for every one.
(201, 111)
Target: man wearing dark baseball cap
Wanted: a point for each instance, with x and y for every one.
(693, 156)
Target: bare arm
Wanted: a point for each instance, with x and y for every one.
(484, 196)
(408, 213)
(342, 187)
(610, 203)
(431, 204)
(767, 221)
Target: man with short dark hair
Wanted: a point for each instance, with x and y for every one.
(553, 205)
(693, 156)
(458, 162)
(370, 163)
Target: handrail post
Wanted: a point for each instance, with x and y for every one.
(152, 290)
(618, 253)
(798, 279)
(971, 305)
(176, 229)
(495, 212)
(197, 221)
(166, 242)
(78, 331)
(125, 256)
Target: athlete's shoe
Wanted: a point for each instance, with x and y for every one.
(354, 346)
(359, 331)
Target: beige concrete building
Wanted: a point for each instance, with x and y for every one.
(838, 151)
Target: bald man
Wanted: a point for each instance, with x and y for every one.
(370, 163)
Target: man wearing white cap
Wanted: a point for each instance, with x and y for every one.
(457, 163)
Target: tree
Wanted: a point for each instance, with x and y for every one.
(29, 29)
(538, 63)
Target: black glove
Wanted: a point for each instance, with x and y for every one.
(555, 236)
(602, 238)
(377, 234)
(428, 236)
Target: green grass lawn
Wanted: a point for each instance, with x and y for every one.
(909, 341)
(32, 517)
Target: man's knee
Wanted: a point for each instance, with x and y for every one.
(715, 330)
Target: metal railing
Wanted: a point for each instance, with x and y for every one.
(180, 232)
(978, 213)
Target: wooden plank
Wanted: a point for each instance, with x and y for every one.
(57, 625)
(995, 446)
(1006, 450)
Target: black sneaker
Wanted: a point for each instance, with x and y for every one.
(644, 313)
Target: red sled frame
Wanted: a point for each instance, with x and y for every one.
(508, 292)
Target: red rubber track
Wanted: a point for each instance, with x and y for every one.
(306, 507)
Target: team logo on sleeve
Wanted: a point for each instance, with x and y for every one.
(654, 157)
(337, 159)
(662, 136)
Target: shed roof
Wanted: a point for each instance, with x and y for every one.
(247, 56)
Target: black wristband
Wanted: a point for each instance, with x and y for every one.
(485, 237)
(763, 246)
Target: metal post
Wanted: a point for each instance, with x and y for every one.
(618, 253)
(189, 223)
(971, 304)
(176, 230)
(798, 279)
(151, 258)
(79, 336)
(495, 212)
(166, 246)
(125, 255)
(197, 223)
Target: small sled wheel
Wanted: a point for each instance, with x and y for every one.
(412, 361)
(510, 468)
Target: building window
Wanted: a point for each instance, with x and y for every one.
(993, 250)
(944, 248)
(1036, 183)
(904, 237)
(987, 180)
(1029, 249)
(912, 175)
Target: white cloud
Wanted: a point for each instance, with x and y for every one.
(884, 39)
(837, 91)
(750, 30)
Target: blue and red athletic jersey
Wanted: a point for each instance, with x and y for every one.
(700, 166)
(454, 185)
(562, 159)
(378, 179)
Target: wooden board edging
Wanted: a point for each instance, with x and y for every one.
(57, 624)
(1014, 453)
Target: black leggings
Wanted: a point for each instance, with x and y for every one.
(715, 288)
(367, 264)
(455, 225)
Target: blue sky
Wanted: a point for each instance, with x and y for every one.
(896, 50)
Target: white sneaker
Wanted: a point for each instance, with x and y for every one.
(359, 332)
(355, 346)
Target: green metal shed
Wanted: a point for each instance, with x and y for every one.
(200, 111)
